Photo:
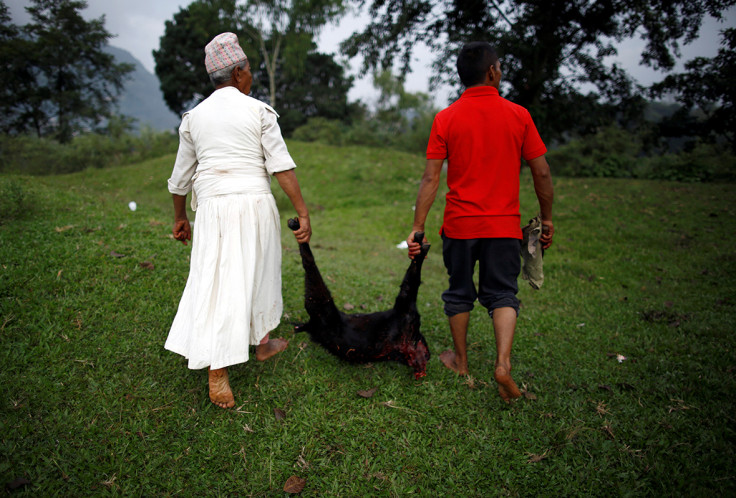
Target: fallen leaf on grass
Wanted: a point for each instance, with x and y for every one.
(470, 382)
(533, 458)
(679, 407)
(294, 485)
(116, 254)
(368, 393)
(110, 482)
(525, 392)
(608, 431)
(601, 409)
(348, 307)
(301, 462)
(17, 483)
(279, 414)
(64, 228)
(147, 265)
(247, 428)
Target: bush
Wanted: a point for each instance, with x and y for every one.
(704, 163)
(616, 153)
(323, 130)
(31, 155)
(13, 198)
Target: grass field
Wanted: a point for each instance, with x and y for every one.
(91, 403)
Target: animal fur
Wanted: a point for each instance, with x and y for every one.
(391, 335)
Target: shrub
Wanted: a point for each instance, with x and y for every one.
(13, 198)
(616, 153)
(31, 155)
(323, 130)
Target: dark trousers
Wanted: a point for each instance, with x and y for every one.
(499, 268)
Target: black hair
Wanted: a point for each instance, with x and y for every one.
(473, 62)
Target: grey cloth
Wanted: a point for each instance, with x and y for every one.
(532, 252)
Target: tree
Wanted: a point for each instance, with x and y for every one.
(15, 104)
(549, 48)
(319, 91)
(67, 81)
(276, 20)
(708, 85)
(180, 57)
(302, 81)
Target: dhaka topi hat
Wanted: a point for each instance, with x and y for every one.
(223, 51)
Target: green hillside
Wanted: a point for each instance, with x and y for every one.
(91, 403)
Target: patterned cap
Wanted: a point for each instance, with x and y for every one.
(223, 51)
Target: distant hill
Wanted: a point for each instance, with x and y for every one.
(142, 98)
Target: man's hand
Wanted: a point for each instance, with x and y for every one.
(414, 248)
(182, 230)
(304, 233)
(548, 231)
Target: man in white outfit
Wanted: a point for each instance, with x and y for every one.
(229, 146)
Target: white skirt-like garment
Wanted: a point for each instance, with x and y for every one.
(232, 297)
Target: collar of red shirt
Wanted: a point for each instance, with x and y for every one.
(480, 91)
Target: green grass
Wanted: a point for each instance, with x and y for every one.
(91, 403)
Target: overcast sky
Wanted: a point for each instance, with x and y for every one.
(138, 25)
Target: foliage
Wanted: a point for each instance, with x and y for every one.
(320, 91)
(13, 198)
(30, 155)
(179, 61)
(614, 152)
(58, 78)
(546, 48)
(708, 85)
(91, 403)
(285, 65)
(271, 24)
(400, 120)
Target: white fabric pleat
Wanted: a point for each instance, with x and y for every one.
(232, 297)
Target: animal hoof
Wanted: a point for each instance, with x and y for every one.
(293, 224)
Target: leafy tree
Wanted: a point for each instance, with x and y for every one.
(272, 22)
(708, 85)
(64, 80)
(302, 81)
(320, 91)
(180, 57)
(16, 107)
(548, 47)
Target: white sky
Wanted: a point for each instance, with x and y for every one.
(138, 25)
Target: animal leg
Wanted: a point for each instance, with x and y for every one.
(317, 298)
(409, 289)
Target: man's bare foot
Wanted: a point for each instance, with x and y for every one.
(270, 348)
(449, 359)
(506, 386)
(220, 393)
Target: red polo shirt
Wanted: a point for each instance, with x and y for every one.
(483, 137)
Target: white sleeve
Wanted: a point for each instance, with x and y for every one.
(186, 161)
(274, 148)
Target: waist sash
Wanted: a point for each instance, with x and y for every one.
(220, 181)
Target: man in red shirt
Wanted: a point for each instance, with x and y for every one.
(483, 137)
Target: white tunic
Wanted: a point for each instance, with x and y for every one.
(228, 146)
